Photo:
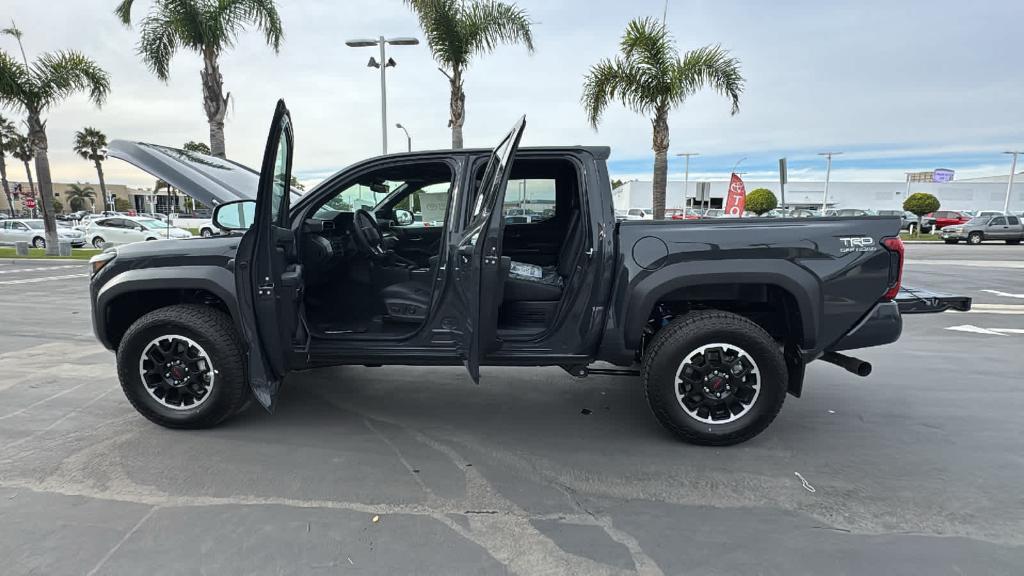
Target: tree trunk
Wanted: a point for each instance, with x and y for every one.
(99, 174)
(215, 102)
(37, 137)
(31, 183)
(6, 185)
(457, 107)
(660, 123)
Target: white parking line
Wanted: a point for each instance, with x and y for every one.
(990, 331)
(995, 309)
(1006, 294)
(44, 268)
(971, 263)
(46, 279)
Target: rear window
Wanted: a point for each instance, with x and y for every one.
(1012, 220)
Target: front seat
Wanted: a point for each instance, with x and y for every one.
(532, 283)
(407, 301)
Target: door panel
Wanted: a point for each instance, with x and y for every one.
(478, 269)
(417, 242)
(268, 275)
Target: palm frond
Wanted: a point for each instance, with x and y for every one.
(712, 67)
(62, 74)
(648, 42)
(443, 30)
(621, 80)
(159, 38)
(124, 12)
(16, 83)
(490, 23)
(89, 143)
(262, 14)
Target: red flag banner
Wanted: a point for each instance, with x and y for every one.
(736, 201)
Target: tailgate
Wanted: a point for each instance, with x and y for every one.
(920, 301)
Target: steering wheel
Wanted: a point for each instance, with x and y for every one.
(367, 234)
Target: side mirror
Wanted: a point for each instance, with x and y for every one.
(403, 217)
(234, 216)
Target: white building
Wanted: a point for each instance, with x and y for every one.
(968, 194)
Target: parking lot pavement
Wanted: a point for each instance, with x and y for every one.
(914, 470)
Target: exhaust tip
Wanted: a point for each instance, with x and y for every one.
(848, 363)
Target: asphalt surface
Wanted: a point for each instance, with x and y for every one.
(914, 470)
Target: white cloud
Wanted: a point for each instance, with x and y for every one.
(875, 77)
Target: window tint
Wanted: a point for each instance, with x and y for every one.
(998, 221)
(20, 226)
(1012, 220)
(529, 200)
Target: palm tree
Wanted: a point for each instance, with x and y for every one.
(193, 146)
(207, 28)
(7, 133)
(649, 77)
(91, 144)
(22, 150)
(457, 30)
(78, 195)
(36, 89)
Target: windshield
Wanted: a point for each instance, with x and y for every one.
(355, 197)
(151, 223)
(980, 220)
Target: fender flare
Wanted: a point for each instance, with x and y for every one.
(653, 286)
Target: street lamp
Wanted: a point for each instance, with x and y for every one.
(408, 138)
(383, 64)
(686, 177)
(1009, 186)
(828, 176)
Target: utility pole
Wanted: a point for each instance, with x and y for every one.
(828, 176)
(686, 177)
(1009, 186)
(383, 65)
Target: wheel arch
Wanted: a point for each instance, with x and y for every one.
(126, 298)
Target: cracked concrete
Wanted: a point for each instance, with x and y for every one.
(507, 477)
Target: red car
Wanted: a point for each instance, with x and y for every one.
(680, 214)
(943, 218)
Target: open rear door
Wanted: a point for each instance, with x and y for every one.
(267, 275)
(478, 270)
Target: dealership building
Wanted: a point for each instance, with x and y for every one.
(987, 193)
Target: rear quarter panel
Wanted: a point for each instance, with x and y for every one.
(835, 268)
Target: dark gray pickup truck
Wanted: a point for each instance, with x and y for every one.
(486, 257)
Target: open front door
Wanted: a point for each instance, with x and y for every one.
(268, 277)
(478, 270)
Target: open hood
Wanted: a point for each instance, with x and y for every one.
(207, 179)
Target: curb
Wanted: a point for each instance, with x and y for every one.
(41, 260)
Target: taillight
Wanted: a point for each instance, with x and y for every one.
(895, 247)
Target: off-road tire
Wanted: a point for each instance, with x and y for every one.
(674, 342)
(211, 329)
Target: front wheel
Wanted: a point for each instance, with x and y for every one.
(714, 378)
(975, 238)
(98, 242)
(181, 367)
(39, 242)
(206, 233)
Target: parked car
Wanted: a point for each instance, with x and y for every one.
(714, 213)
(941, 219)
(988, 213)
(201, 325)
(981, 228)
(681, 214)
(128, 229)
(30, 230)
(638, 214)
(850, 212)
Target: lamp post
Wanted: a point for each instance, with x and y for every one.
(383, 65)
(828, 176)
(408, 138)
(1009, 186)
(686, 176)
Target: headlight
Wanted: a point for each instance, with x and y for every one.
(97, 262)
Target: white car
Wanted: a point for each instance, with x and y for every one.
(30, 230)
(639, 214)
(127, 229)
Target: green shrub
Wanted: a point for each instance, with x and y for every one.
(761, 200)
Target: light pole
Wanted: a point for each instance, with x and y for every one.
(1009, 186)
(383, 65)
(828, 176)
(408, 138)
(686, 177)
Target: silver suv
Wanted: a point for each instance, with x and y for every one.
(1004, 227)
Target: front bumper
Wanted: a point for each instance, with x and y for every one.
(947, 234)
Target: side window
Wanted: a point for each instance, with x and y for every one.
(280, 186)
(529, 200)
(1012, 220)
(428, 205)
(20, 226)
(105, 223)
(997, 221)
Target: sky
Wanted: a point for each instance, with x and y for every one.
(896, 86)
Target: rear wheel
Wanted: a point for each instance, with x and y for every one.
(714, 378)
(975, 238)
(98, 242)
(206, 233)
(181, 367)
